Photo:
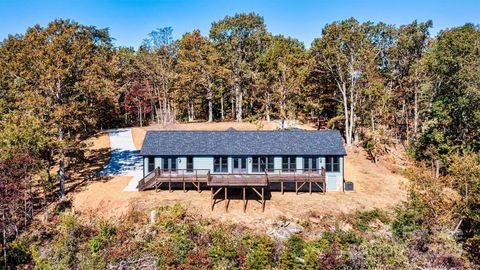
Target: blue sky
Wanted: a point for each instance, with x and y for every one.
(130, 21)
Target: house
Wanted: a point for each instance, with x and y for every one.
(244, 159)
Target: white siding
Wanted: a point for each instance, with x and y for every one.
(335, 179)
(182, 163)
(145, 166)
(158, 162)
(229, 164)
(277, 163)
(249, 164)
(321, 162)
(299, 163)
(203, 163)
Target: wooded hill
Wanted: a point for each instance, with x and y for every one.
(380, 84)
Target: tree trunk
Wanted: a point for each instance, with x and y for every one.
(210, 110)
(352, 113)
(222, 117)
(283, 113)
(233, 108)
(61, 171)
(372, 119)
(415, 116)
(267, 107)
(348, 137)
(238, 102)
(4, 239)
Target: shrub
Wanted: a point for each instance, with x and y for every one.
(95, 244)
(383, 254)
(291, 257)
(223, 249)
(106, 229)
(410, 216)
(363, 219)
(18, 253)
(258, 252)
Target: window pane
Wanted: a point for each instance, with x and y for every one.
(189, 164)
(173, 164)
(151, 164)
(336, 164)
(270, 164)
(165, 164)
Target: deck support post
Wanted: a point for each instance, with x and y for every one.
(310, 187)
(211, 198)
(263, 199)
(198, 187)
(296, 188)
(226, 201)
(244, 204)
(170, 185)
(281, 186)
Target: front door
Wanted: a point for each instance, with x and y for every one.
(170, 164)
(239, 165)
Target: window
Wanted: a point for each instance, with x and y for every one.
(310, 163)
(189, 164)
(332, 164)
(220, 164)
(151, 164)
(289, 163)
(169, 163)
(262, 163)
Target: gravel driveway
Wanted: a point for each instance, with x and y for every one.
(125, 160)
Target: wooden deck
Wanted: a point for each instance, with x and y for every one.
(218, 182)
(238, 180)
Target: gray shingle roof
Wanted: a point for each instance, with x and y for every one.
(239, 143)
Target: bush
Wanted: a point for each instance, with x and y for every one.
(95, 244)
(293, 251)
(381, 254)
(223, 250)
(18, 253)
(363, 219)
(410, 216)
(258, 252)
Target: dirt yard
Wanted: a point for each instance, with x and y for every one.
(375, 187)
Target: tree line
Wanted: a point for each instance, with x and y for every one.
(380, 84)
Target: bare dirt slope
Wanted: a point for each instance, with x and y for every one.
(376, 187)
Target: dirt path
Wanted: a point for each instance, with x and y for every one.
(376, 187)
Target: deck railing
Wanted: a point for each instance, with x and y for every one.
(198, 175)
(147, 180)
(296, 173)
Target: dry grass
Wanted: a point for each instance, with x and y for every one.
(376, 187)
